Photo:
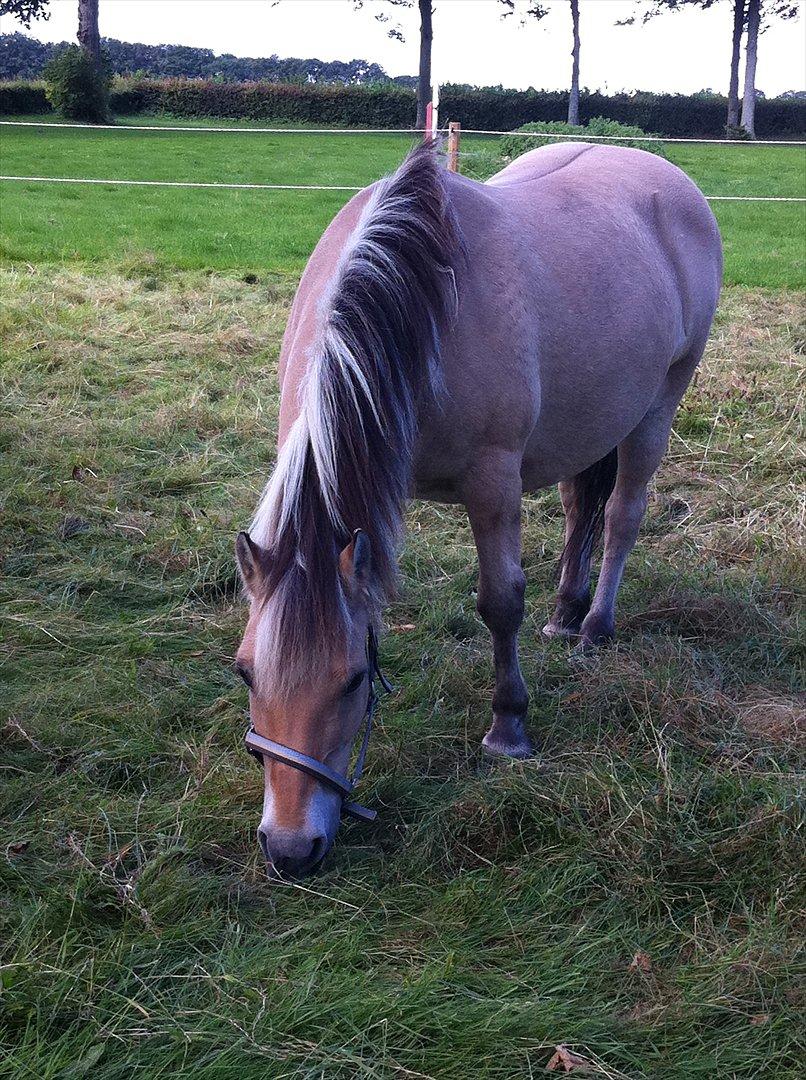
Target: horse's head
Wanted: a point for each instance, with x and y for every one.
(318, 716)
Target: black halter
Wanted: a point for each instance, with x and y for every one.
(259, 747)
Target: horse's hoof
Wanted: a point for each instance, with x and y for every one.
(589, 645)
(555, 630)
(497, 747)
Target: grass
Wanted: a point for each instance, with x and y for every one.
(256, 231)
(632, 895)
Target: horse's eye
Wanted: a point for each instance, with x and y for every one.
(245, 674)
(353, 684)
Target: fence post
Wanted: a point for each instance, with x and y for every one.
(454, 135)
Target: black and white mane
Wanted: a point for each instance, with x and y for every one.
(346, 463)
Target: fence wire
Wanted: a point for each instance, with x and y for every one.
(353, 131)
(305, 187)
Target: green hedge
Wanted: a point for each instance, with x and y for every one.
(378, 105)
(382, 105)
(23, 98)
(609, 132)
(671, 115)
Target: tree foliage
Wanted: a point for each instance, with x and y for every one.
(650, 9)
(77, 86)
(23, 57)
(25, 11)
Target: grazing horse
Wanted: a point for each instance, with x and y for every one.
(461, 342)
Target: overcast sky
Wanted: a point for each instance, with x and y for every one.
(685, 51)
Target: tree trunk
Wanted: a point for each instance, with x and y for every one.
(88, 36)
(751, 55)
(424, 80)
(733, 87)
(573, 100)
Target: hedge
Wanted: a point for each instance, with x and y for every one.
(385, 106)
(604, 132)
(23, 98)
(328, 104)
(671, 115)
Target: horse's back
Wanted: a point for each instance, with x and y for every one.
(583, 193)
(591, 270)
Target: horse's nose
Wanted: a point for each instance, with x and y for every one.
(291, 854)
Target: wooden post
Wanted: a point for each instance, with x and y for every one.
(454, 135)
(427, 132)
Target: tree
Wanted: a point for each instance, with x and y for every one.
(539, 11)
(739, 15)
(573, 99)
(78, 79)
(752, 14)
(759, 14)
(750, 60)
(88, 35)
(424, 88)
(25, 11)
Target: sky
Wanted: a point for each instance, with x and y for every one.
(685, 51)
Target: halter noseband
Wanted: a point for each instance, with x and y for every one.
(259, 747)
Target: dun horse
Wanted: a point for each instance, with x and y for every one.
(461, 342)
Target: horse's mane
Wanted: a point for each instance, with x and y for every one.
(346, 463)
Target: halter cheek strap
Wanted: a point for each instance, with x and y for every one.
(260, 747)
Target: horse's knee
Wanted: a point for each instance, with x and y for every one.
(500, 603)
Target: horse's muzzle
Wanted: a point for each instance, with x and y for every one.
(292, 855)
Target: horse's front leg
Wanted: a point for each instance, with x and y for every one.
(493, 499)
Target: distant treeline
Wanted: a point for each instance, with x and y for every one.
(387, 106)
(23, 57)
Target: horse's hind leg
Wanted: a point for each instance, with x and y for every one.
(583, 498)
(639, 456)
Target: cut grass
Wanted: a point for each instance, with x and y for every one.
(633, 898)
(257, 231)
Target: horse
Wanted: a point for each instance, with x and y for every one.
(462, 342)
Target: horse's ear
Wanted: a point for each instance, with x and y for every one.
(355, 561)
(251, 561)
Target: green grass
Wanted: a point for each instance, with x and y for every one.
(632, 895)
(276, 231)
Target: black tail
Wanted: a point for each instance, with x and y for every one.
(592, 489)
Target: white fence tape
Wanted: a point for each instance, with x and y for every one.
(181, 184)
(308, 187)
(636, 138)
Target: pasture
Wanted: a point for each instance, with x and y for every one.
(256, 231)
(631, 894)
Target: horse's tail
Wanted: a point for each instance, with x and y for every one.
(591, 489)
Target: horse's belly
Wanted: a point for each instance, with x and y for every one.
(585, 414)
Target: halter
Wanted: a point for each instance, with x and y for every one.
(259, 747)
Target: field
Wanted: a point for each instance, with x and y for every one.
(259, 231)
(632, 894)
